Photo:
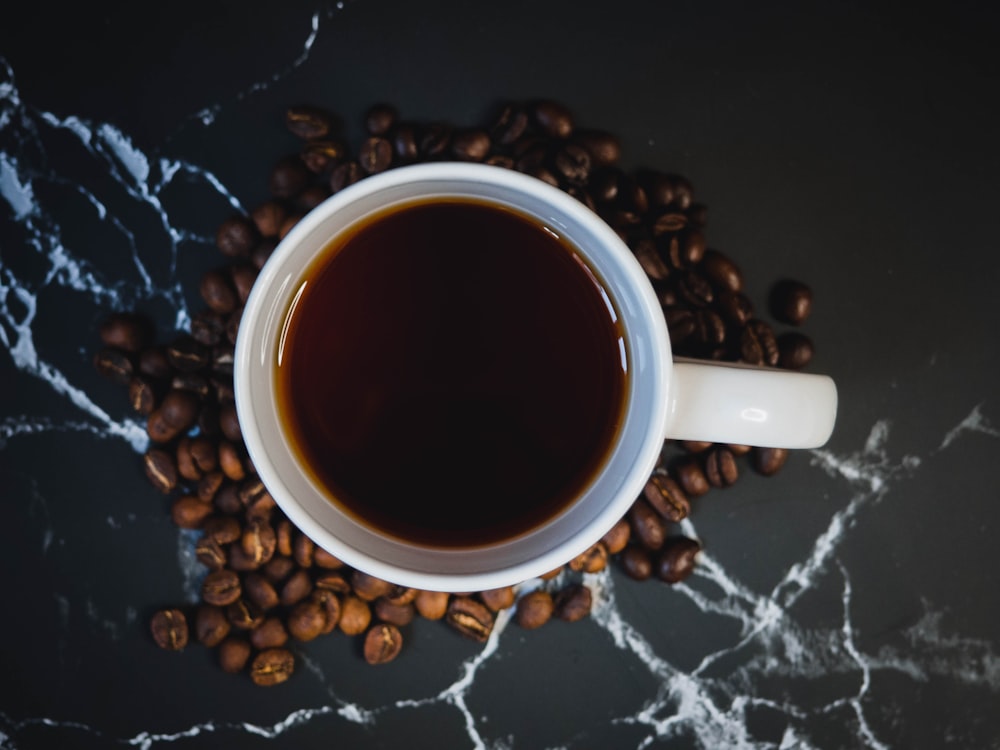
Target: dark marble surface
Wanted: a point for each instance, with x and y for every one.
(848, 602)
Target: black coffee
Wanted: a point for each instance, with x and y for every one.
(452, 372)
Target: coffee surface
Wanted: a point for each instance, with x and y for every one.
(452, 372)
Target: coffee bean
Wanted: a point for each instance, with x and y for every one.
(114, 364)
(659, 187)
(272, 666)
(434, 140)
(125, 331)
(720, 467)
(509, 124)
(470, 144)
(534, 609)
(234, 653)
(693, 288)
(186, 354)
(244, 615)
(288, 177)
(160, 470)
(739, 450)
(795, 350)
(296, 588)
(636, 562)
(355, 615)
(692, 245)
(382, 644)
(676, 560)
(649, 258)
(268, 217)
(399, 615)
(330, 604)
(229, 423)
(210, 553)
(221, 587)
(259, 541)
(669, 222)
(790, 301)
(592, 560)
(500, 160)
(758, 345)
(721, 271)
(308, 121)
(210, 625)
(470, 618)
(604, 147)
(553, 118)
(552, 573)
(768, 461)
(375, 155)
(222, 529)
(320, 157)
(617, 536)
(368, 587)
(230, 461)
(690, 476)
(323, 559)
(238, 560)
(647, 525)
(304, 551)
(572, 162)
(260, 591)
(188, 512)
(666, 497)
(209, 485)
(278, 569)
(236, 236)
(154, 363)
(380, 118)
(573, 602)
(497, 599)
(270, 634)
(241, 277)
(306, 621)
(170, 629)
(404, 142)
(734, 307)
(683, 191)
(217, 292)
(345, 174)
(289, 223)
(431, 605)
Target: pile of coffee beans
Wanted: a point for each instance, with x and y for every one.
(267, 585)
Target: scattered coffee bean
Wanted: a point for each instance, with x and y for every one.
(170, 629)
(617, 536)
(720, 467)
(221, 588)
(306, 620)
(790, 301)
(125, 331)
(431, 605)
(399, 615)
(470, 618)
(497, 599)
(309, 122)
(677, 559)
(592, 560)
(270, 634)
(534, 609)
(234, 653)
(691, 477)
(380, 118)
(272, 667)
(572, 602)
(210, 625)
(667, 498)
(795, 350)
(636, 562)
(355, 615)
(768, 461)
(160, 470)
(236, 236)
(382, 644)
(114, 364)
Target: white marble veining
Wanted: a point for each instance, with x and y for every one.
(706, 703)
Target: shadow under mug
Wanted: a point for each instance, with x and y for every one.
(665, 398)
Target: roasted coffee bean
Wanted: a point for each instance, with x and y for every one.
(404, 142)
(649, 258)
(739, 450)
(497, 599)
(768, 461)
(721, 271)
(259, 541)
(125, 331)
(268, 217)
(709, 331)
(231, 462)
(239, 560)
(272, 666)
(336, 583)
(636, 562)
(222, 529)
(795, 350)
(210, 553)
(659, 187)
(260, 591)
(195, 456)
(217, 291)
(210, 625)
(270, 634)
(683, 191)
(669, 222)
(605, 183)
(321, 156)
(188, 512)
(241, 277)
(647, 525)
(278, 569)
(285, 533)
(676, 560)
(693, 289)
(434, 140)
(330, 604)
(159, 430)
(509, 124)
(288, 177)
(153, 362)
(604, 147)
(552, 573)
(221, 588)
(323, 559)
(355, 615)
(382, 644)
(573, 602)
(244, 615)
(617, 536)
(431, 605)
(470, 144)
(160, 470)
(666, 497)
(186, 354)
(208, 486)
(790, 301)
(572, 162)
(236, 236)
(262, 251)
(681, 324)
(114, 364)
(734, 307)
(534, 609)
(592, 560)
(692, 246)
(193, 382)
(375, 155)
(289, 223)
(229, 423)
(306, 620)
(170, 629)
(368, 587)
(690, 476)
(469, 617)
(234, 653)
(308, 121)
(553, 118)
(758, 345)
(380, 118)
(310, 197)
(399, 615)
(303, 550)
(720, 467)
(296, 588)
(207, 327)
(500, 160)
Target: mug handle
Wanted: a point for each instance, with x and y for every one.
(726, 402)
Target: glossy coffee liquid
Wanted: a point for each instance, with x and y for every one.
(452, 373)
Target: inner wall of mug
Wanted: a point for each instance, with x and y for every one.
(545, 547)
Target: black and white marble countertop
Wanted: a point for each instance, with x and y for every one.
(848, 602)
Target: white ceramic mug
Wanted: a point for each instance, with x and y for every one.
(683, 399)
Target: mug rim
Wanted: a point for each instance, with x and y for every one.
(626, 467)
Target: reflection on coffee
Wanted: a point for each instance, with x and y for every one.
(451, 372)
